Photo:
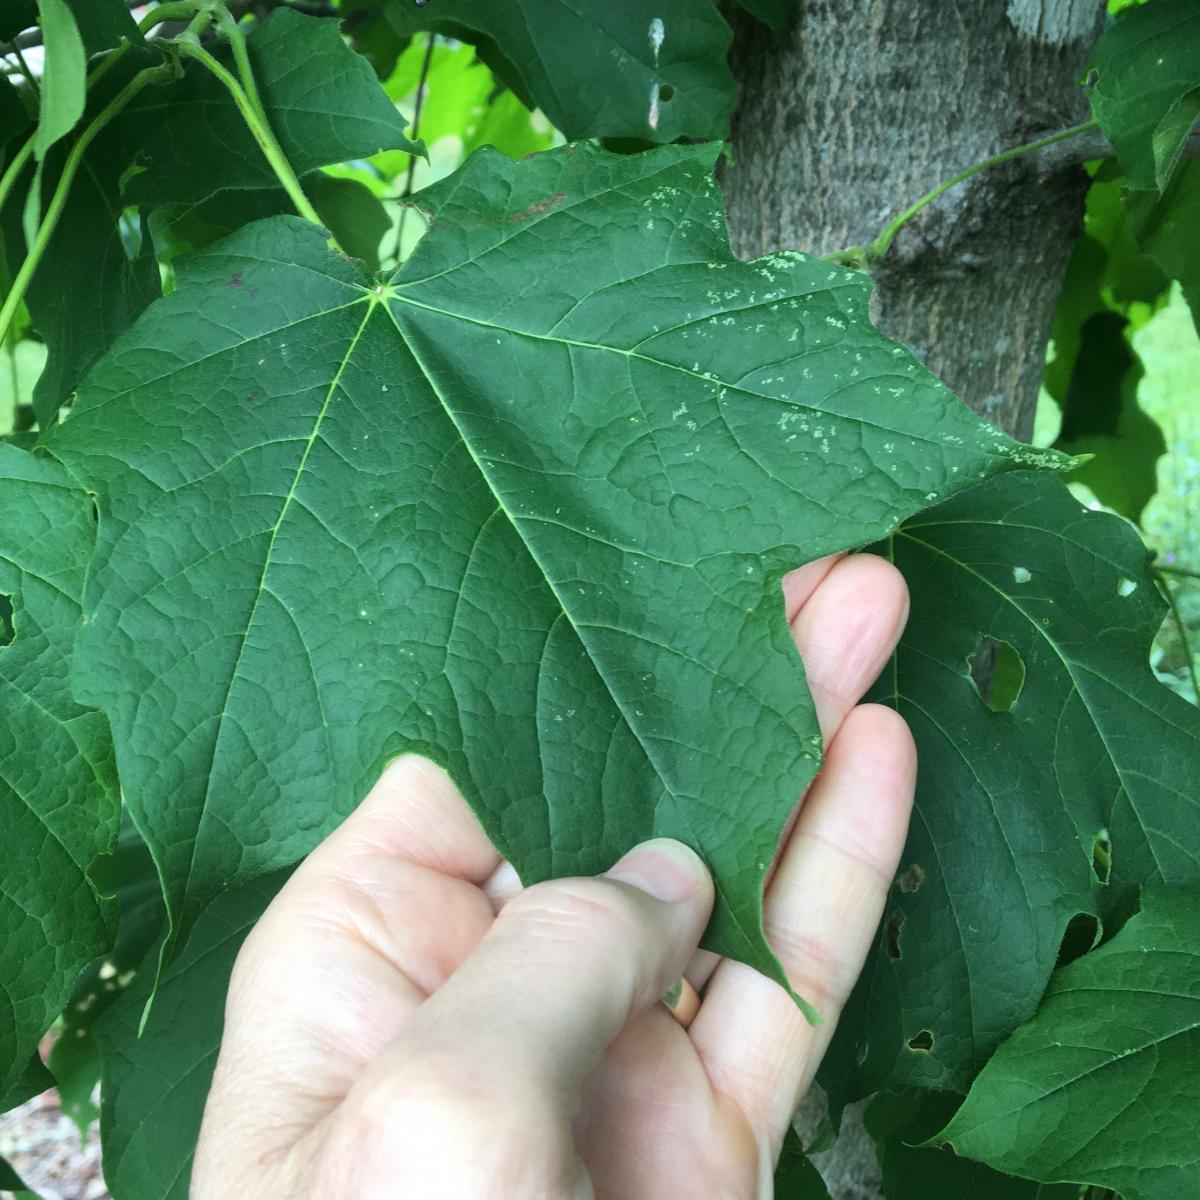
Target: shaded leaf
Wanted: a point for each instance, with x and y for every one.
(795, 1176)
(900, 1121)
(323, 101)
(190, 143)
(10, 1181)
(493, 512)
(156, 1081)
(1103, 1085)
(104, 23)
(15, 17)
(32, 1081)
(64, 75)
(1010, 804)
(1166, 229)
(600, 68)
(1102, 417)
(1146, 94)
(52, 923)
(352, 214)
(74, 1059)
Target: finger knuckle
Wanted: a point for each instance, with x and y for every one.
(602, 911)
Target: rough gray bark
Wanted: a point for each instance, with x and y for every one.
(860, 108)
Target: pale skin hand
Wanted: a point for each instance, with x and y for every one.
(405, 1020)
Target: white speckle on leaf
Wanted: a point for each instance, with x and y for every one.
(1021, 575)
(1126, 587)
(656, 34)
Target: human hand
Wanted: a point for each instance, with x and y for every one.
(405, 1020)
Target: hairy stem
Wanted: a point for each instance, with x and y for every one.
(58, 202)
(873, 252)
(255, 120)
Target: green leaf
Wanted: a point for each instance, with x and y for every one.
(323, 102)
(1010, 804)
(600, 68)
(1146, 94)
(64, 76)
(552, 476)
(357, 220)
(795, 1176)
(10, 1181)
(1100, 1087)
(54, 822)
(156, 1080)
(32, 1081)
(74, 1058)
(1102, 417)
(1166, 230)
(104, 23)
(899, 1121)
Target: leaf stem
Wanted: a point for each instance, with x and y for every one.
(873, 252)
(411, 173)
(58, 202)
(255, 120)
(1177, 614)
(21, 158)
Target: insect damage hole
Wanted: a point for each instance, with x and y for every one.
(7, 632)
(1102, 855)
(912, 878)
(998, 672)
(922, 1042)
(891, 934)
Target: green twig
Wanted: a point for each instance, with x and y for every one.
(257, 123)
(30, 77)
(58, 202)
(873, 252)
(1177, 614)
(411, 173)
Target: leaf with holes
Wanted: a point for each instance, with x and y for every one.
(1146, 90)
(52, 922)
(600, 68)
(1079, 790)
(1102, 1086)
(526, 508)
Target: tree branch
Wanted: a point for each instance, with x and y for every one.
(1076, 151)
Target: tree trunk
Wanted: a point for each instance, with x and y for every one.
(860, 108)
(863, 106)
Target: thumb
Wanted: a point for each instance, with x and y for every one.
(564, 966)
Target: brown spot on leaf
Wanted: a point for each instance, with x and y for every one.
(537, 208)
(895, 923)
(235, 280)
(912, 878)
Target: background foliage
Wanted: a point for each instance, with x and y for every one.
(226, 380)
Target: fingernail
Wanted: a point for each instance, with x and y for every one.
(662, 868)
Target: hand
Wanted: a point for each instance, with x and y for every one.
(405, 1020)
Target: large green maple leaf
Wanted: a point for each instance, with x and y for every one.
(55, 821)
(525, 508)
